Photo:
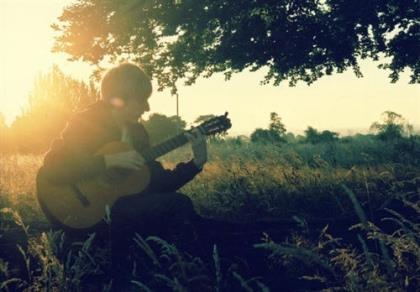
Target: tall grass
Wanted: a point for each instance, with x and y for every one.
(245, 182)
(379, 261)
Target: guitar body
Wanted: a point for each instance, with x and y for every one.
(83, 204)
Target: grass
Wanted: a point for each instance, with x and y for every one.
(245, 182)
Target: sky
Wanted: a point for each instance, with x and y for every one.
(341, 102)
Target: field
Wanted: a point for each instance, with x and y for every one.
(352, 206)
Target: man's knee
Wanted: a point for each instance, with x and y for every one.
(183, 202)
(183, 199)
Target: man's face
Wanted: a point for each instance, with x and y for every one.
(132, 109)
(135, 108)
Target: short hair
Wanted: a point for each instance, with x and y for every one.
(126, 81)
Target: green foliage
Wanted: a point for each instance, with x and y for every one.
(383, 261)
(314, 137)
(264, 136)
(276, 124)
(298, 40)
(291, 138)
(161, 127)
(274, 134)
(248, 181)
(391, 127)
(378, 260)
(311, 135)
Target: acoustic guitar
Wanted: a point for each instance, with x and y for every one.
(85, 203)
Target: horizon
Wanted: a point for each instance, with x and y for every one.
(342, 132)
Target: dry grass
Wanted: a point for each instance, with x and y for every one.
(242, 183)
(17, 185)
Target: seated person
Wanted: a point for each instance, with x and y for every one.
(159, 210)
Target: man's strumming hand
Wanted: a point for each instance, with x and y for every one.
(128, 160)
(199, 147)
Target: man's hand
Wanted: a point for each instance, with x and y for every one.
(199, 147)
(128, 160)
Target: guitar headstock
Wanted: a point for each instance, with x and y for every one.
(215, 125)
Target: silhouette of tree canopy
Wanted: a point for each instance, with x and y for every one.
(275, 133)
(161, 127)
(276, 124)
(391, 127)
(51, 101)
(314, 137)
(296, 39)
(328, 136)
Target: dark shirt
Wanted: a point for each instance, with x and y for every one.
(72, 157)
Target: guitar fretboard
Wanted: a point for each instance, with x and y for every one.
(165, 147)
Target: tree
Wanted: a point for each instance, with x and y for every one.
(391, 127)
(314, 137)
(276, 126)
(290, 138)
(274, 134)
(296, 40)
(311, 135)
(161, 127)
(51, 101)
(328, 136)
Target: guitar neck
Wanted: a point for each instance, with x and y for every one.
(165, 147)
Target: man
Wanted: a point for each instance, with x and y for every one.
(159, 210)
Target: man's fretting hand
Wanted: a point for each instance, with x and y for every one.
(128, 160)
(199, 147)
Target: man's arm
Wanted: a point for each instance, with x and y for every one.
(165, 180)
(170, 180)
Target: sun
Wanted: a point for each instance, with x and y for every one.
(27, 39)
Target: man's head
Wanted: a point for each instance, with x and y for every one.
(127, 88)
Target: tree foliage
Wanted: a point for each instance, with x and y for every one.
(274, 134)
(296, 40)
(391, 127)
(51, 101)
(160, 127)
(276, 124)
(314, 137)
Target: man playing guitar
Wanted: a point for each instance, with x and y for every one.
(158, 209)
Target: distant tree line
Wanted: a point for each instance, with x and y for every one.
(277, 133)
(392, 127)
(55, 97)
